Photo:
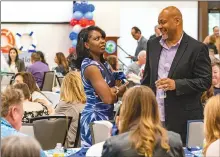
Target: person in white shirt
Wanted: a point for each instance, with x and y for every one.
(212, 127)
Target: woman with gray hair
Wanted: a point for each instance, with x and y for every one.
(20, 146)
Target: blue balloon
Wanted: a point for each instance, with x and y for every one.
(74, 42)
(77, 15)
(73, 35)
(89, 15)
(84, 7)
(91, 7)
(76, 7)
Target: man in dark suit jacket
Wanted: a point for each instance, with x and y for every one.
(180, 65)
(142, 42)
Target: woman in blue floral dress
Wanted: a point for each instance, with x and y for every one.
(98, 81)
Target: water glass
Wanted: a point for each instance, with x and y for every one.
(161, 93)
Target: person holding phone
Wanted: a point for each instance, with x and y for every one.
(179, 66)
(98, 81)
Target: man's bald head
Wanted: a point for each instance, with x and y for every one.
(170, 22)
(173, 12)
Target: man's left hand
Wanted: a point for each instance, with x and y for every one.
(166, 84)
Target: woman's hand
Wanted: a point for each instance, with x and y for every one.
(45, 103)
(122, 89)
(118, 83)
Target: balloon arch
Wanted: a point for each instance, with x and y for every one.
(82, 17)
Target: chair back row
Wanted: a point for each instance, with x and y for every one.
(195, 133)
(50, 80)
(48, 130)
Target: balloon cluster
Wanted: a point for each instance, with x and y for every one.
(82, 17)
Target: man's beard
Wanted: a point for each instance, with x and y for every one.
(165, 36)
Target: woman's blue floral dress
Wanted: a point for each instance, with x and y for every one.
(95, 109)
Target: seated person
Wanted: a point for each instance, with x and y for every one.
(136, 66)
(113, 62)
(62, 64)
(211, 46)
(31, 109)
(212, 127)
(36, 94)
(114, 66)
(206, 95)
(42, 58)
(15, 63)
(72, 102)
(216, 76)
(140, 130)
(157, 32)
(135, 71)
(37, 68)
(20, 146)
(12, 113)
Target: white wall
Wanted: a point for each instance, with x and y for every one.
(115, 17)
(36, 11)
(145, 16)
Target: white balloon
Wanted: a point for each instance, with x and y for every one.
(77, 28)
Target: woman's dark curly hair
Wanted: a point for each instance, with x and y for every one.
(81, 51)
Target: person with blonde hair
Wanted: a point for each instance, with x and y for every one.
(212, 127)
(72, 102)
(20, 146)
(140, 128)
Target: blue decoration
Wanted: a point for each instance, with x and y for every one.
(84, 7)
(76, 7)
(91, 7)
(89, 15)
(110, 47)
(77, 15)
(74, 42)
(73, 35)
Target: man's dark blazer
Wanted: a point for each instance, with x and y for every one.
(192, 72)
(152, 36)
(142, 45)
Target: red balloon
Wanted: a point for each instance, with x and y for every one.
(74, 22)
(83, 22)
(71, 50)
(91, 22)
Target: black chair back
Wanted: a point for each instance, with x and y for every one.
(50, 130)
(59, 80)
(48, 81)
